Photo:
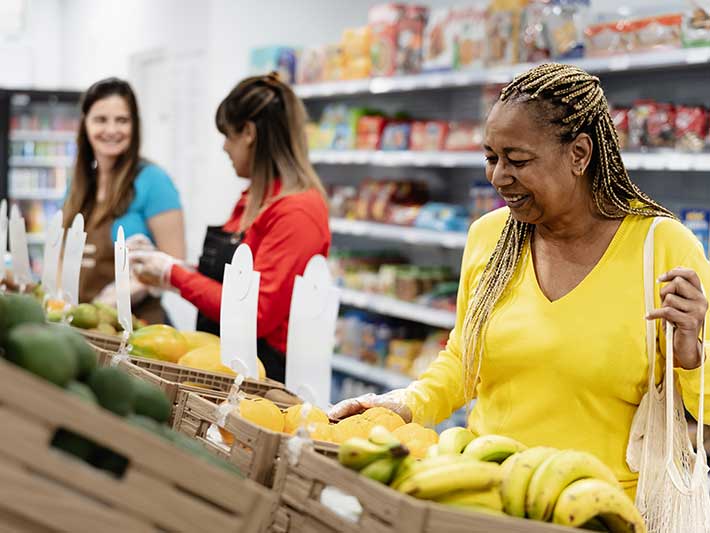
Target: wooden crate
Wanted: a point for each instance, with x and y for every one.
(163, 488)
(301, 484)
(255, 450)
(100, 340)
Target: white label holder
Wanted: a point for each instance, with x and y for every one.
(240, 299)
(311, 333)
(52, 250)
(71, 266)
(123, 284)
(18, 248)
(3, 237)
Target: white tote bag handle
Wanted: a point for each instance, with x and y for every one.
(700, 466)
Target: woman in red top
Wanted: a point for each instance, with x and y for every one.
(282, 216)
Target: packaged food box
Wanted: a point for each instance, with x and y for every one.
(396, 135)
(310, 65)
(438, 52)
(467, 27)
(397, 38)
(281, 59)
(463, 136)
(691, 128)
(696, 24)
(429, 134)
(698, 221)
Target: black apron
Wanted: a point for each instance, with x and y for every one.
(218, 250)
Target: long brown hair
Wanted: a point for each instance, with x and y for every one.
(82, 196)
(573, 102)
(280, 147)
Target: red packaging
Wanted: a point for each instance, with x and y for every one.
(384, 21)
(428, 135)
(691, 128)
(660, 126)
(463, 137)
(369, 132)
(638, 118)
(620, 118)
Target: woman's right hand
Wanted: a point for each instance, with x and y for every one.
(393, 400)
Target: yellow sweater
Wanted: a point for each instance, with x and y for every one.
(568, 373)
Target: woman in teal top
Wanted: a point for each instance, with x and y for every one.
(113, 186)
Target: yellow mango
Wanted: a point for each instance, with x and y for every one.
(158, 342)
(208, 358)
(198, 339)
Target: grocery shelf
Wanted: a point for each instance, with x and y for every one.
(661, 160)
(369, 373)
(37, 194)
(42, 135)
(391, 232)
(388, 306)
(36, 238)
(441, 80)
(41, 161)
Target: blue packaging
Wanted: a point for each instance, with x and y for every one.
(281, 59)
(698, 221)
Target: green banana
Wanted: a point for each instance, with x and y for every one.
(489, 499)
(434, 482)
(589, 498)
(493, 448)
(454, 440)
(556, 473)
(357, 453)
(383, 436)
(411, 466)
(382, 470)
(517, 471)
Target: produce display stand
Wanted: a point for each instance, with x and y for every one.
(162, 488)
(100, 340)
(316, 490)
(255, 450)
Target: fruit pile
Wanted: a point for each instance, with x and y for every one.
(60, 355)
(496, 474)
(96, 317)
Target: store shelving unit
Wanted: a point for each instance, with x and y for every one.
(43, 136)
(385, 305)
(369, 373)
(405, 234)
(41, 161)
(38, 194)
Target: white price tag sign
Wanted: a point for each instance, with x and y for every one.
(122, 272)
(18, 248)
(311, 333)
(71, 265)
(237, 324)
(52, 250)
(3, 237)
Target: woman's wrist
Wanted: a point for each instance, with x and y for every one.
(690, 357)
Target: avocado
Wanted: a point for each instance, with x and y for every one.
(150, 401)
(86, 356)
(82, 390)
(114, 389)
(16, 309)
(39, 349)
(73, 444)
(84, 316)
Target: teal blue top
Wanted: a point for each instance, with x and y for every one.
(155, 193)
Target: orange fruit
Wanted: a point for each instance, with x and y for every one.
(381, 416)
(416, 438)
(293, 419)
(262, 412)
(354, 426)
(322, 431)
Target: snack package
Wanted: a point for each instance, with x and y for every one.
(660, 126)
(369, 132)
(438, 50)
(696, 24)
(565, 21)
(468, 29)
(281, 59)
(396, 136)
(605, 39)
(333, 63)
(620, 117)
(355, 47)
(310, 65)
(464, 136)
(698, 221)
(638, 118)
(428, 135)
(503, 31)
(534, 44)
(384, 23)
(484, 199)
(410, 39)
(691, 128)
(656, 33)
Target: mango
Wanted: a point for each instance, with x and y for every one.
(84, 316)
(158, 342)
(198, 339)
(208, 358)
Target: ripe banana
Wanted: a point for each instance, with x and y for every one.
(454, 440)
(357, 453)
(465, 475)
(411, 466)
(594, 525)
(517, 471)
(555, 474)
(589, 498)
(382, 435)
(382, 470)
(467, 498)
(433, 451)
(493, 448)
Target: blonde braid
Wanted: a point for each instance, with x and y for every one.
(570, 89)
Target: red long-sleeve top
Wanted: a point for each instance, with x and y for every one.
(283, 238)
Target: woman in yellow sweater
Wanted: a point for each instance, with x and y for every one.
(550, 332)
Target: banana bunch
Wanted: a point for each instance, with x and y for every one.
(378, 457)
(488, 448)
(567, 487)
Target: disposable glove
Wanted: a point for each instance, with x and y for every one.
(393, 400)
(152, 267)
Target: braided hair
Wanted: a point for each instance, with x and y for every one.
(574, 101)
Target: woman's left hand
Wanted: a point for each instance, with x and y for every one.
(684, 305)
(152, 267)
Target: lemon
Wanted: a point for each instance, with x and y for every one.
(293, 419)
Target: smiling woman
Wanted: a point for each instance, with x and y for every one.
(113, 186)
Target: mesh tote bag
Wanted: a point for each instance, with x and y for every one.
(672, 492)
